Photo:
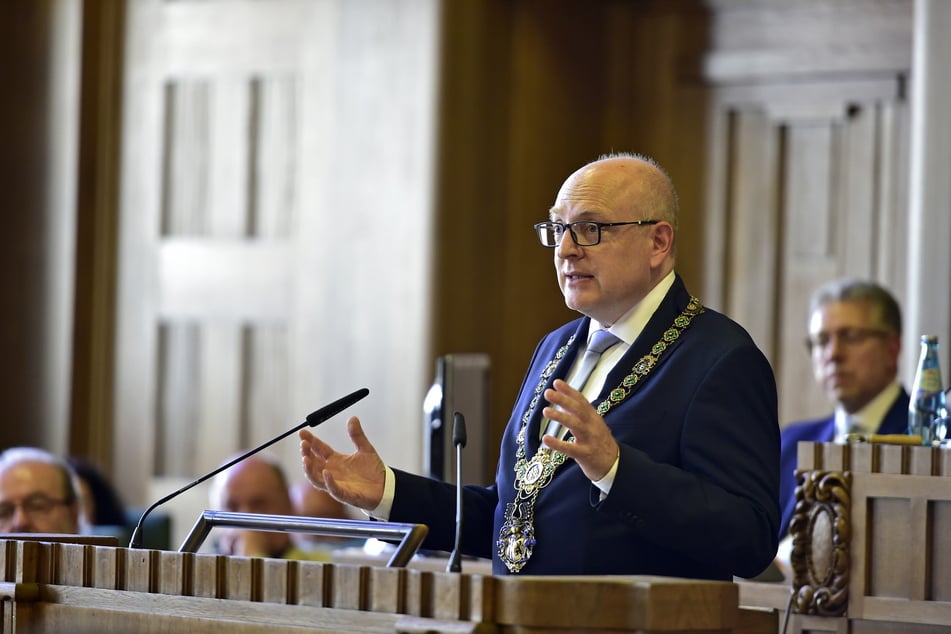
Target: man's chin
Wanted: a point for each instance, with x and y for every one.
(574, 304)
(838, 393)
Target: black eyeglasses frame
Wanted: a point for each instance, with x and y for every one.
(570, 226)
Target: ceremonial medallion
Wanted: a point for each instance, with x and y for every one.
(517, 537)
(533, 472)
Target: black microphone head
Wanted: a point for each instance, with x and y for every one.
(458, 430)
(329, 411)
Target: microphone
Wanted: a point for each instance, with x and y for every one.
(459, 440)
(313, 419)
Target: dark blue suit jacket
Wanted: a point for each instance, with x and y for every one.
(696, 491)
(823, 430)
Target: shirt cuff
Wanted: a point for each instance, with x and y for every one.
(607, 481)
(382, 510)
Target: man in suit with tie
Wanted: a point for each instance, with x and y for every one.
(663, 460)
(854, 342)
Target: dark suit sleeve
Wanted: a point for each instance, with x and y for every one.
(433, 502)
(719, 505)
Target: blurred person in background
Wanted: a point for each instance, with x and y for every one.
(309, 501)
(101, 503)
(854, 341)
(256, 485)
(38, 493)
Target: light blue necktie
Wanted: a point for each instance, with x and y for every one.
(601, 340)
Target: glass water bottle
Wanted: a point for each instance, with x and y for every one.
(927, 395)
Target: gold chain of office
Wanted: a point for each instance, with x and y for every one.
(517, 537)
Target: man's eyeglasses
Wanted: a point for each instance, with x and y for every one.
(845, 337)
(585, 233)
(34, 506)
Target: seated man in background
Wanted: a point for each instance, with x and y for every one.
(38, 493)
(309, 501)
(855, 343)
(256, 485)
(101, 503)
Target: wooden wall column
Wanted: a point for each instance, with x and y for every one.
(38, 42)
(929, 239)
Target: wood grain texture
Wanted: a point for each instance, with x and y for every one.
(241, 594)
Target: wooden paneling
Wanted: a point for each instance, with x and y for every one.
(38, 163)
(752, 219)
(929, 187)
(763, 40)
(276, 229)
(807, 165)
(531, 91)
(93, 336)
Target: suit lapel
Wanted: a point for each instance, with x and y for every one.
(896, 419)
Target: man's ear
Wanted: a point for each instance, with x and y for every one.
(662, 242)
(894, 349)
(79, 516)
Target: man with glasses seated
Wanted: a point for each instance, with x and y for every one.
(38, 493)
(855, 342)
(644, 439)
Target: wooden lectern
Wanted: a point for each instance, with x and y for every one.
(80, 588)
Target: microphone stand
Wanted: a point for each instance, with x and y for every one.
(313, 419)
(459, 440)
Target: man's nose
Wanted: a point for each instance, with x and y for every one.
(833, 351)
(567, 248)
(21, 521)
